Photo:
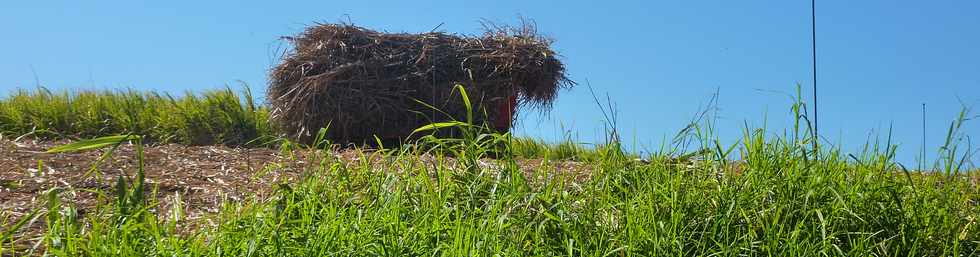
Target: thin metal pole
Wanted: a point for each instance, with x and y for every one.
(922, 160)
(813, 29)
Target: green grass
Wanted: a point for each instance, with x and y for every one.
(212, 117)
(764, 196)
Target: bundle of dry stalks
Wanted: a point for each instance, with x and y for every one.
(364, 83)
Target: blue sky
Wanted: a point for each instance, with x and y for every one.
(659, 61)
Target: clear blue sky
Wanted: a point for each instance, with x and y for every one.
(658, 60)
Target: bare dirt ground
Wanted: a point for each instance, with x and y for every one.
(201, 178)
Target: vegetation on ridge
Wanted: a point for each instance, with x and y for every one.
(767, 195)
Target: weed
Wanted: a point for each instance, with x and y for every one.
(767, 195)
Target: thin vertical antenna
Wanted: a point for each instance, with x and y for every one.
(813, 29)
(922, 158)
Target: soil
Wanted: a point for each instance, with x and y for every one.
(200, 178)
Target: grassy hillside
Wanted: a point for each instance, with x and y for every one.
(211, 117)
(768, 195)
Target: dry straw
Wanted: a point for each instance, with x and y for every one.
(364, 83)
